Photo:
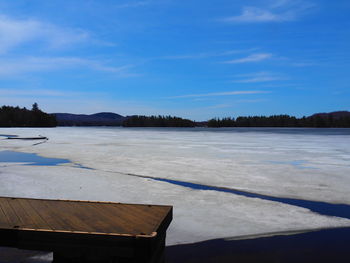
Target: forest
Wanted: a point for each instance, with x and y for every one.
(22, 117)
(325, 120)
(157, 121)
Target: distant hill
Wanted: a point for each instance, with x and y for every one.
(335, 114)
(97, 119)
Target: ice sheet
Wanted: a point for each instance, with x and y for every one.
(198, 215)
(314, 167)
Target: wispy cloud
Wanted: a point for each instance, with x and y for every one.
(251, 58)
(133, 4)
(38, 93)
(255, 14)
(282, 3)
(15, 32)
(207, 54)
(259, 77)
(84, 102)
(216, 94)
(187, 56)
(304, 64)
(277, 11)
(10, 67)
(284, 85)
(251, 101)
(234, 103)
(219, 106)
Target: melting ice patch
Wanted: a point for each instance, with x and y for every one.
(29, 159)
(299, 164)
(33, 159)
(8, 135)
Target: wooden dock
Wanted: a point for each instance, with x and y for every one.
(84, 231)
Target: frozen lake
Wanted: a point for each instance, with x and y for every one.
(146, 165)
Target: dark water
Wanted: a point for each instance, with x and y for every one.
(34, 159)
(8, 135)
(30, 158)
(324, 246)
(340, 210)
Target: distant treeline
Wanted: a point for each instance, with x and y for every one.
(157, 121)
(22, 117)
(317, 121)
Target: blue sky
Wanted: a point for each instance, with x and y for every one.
(194, 59)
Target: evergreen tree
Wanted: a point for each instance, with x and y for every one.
(35, 107)
(21, 117)
(157, 121)
(317, 121)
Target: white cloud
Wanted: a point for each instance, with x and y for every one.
(277, 11)
(14, 33)
(18, 66)
(259, 77)
(255, 14)
(251, 58)
(225, 93)
(21, 32)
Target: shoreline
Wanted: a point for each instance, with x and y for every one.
(324, 245)
(304, 246)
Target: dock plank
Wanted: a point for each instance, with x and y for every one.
(85, 230)
(92, 216)
(143, 211)
(48, 215)
(69, 216)
(81, 216)
(12, 217)
(127, 225)
(139, 219)
(41, 223)
(22, 213)
(4, 221)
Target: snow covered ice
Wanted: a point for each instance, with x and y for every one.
(312, 166)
